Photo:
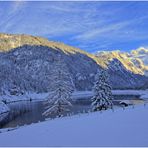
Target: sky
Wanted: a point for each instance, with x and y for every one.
(91, 26)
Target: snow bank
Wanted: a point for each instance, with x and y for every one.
(86, 94)
(119, 128)
(76, 95)
(144, 96)
(129, 92)
(37, 96)
(4, 110)
(12, 98)
(82, 94)
(25, 97)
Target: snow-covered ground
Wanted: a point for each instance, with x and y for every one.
(4, 110)
(28, 96)
(86, 94)
(145, 96)
(75, 95)
(119, 128)
(129, 92)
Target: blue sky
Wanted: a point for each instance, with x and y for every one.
(90, 26)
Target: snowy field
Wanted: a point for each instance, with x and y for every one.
(127, 127)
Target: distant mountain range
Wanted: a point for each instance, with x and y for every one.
(135, 61)
(26, 62)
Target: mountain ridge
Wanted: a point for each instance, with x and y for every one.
(17, 40)
(26, 63)
(131, 60)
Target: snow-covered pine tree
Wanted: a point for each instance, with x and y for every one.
(62, 86)
(102, 98)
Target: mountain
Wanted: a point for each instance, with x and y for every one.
(135, 61)
(140, 57)
(120, 62)
(141, 53)
(26, 63)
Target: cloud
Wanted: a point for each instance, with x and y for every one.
(17, 5)
(9, 14)
(84, 24)
(102, 31)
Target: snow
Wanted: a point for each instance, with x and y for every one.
(126, 102)
(76, 95)
(102, 98)
(119, 128)
(27, 96)
(86, 94)
(145, 96)
(129, 92)
(82, 94)
(4, 110)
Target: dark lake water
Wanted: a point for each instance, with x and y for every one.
(27, 112)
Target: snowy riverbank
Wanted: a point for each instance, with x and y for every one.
(75, 95)
(119, 128)
(86, 94)
(4, 110)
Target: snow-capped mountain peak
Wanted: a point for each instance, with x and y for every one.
(135, 61)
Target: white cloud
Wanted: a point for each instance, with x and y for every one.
(17, 5)
(115, 30)
(102, 31)
(88, 23)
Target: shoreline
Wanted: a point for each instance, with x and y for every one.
(143, 94)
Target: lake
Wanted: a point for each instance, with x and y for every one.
(26, 112)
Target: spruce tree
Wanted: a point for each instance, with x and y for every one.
(62, 86)
(102, 98)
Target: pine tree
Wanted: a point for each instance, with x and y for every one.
(102, 98)
(62, 86)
